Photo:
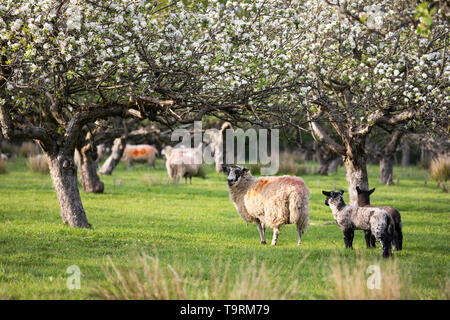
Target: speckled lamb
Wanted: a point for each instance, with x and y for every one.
(269, 201)
(397, 240)
(349, 218)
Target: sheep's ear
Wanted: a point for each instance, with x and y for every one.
(225, 169)
(358, 189)
(245, 170)
(341, 192)
(326, 193)
(371, 191)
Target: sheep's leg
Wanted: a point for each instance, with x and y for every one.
(299, 233)
(386, 245)
(262, 232)
(276, 231)
(190, 179)
(348, 238)
(370, 239)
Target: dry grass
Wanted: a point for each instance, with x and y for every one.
(352, 281)
(152, 180)
(148, 278)
(2, 166)
(28, 149)
(440, 170)
(37, 163)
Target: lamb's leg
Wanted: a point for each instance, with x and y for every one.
(370, 239)
(190, 179)
(262, 233)
(276, 231)
(348, 238)
(386, 245)
(299, 233)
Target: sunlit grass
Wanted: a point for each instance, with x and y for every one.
(196, 225)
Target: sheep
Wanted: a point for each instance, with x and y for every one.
(181, 162)
(349, 218)
(140, 152)
(269, 201)
(364, 201)
(3, 157)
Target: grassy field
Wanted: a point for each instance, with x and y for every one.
(196, 229)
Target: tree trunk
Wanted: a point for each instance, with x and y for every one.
(325, 157)
(333, 166)
(64, 177)
(88, 171)
(386, 169)
(116, 154)
(406, 153)
(356, 167)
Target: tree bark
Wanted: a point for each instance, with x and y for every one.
(386, 169)
(88, 171)
(406, 153)
(356, 167)
(116, 154)
(64, 177)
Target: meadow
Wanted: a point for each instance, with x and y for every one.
(195, 230)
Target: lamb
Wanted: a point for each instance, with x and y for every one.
(364, 201)
(183, 162)
(349, 218)
(269, 201)
(140, 152)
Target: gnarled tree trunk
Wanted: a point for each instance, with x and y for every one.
(356, 167)
(88, 171)
(387, 158)
(406, 153)
(386, 169)
(64, 177)
(116, 154)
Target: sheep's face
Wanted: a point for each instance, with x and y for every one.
(234, 174)
(333, 197)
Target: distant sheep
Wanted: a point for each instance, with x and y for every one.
(349, 218)
(139, 153)
(183, 162)
(364, 201)
(3, 157)
(269, 201)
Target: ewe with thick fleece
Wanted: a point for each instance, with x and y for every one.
(139, 153)
(269, 201)
(349, 218)
(183, 162)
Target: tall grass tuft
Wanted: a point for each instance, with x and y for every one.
(37, 163)
(148, 278)
(350, 281)
(440, 170)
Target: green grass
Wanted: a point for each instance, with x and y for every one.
(197, 225)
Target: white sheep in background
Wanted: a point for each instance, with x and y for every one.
(183, 162)
(349, 218)
(269, 201)
(3, 157)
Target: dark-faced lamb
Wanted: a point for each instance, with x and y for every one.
(269, 201)
(349, 218)
(364, 201)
